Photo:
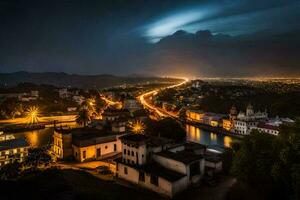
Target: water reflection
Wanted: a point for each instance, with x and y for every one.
(195, 134)
(38, 138)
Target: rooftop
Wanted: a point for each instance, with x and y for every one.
(154, 168)
(12, 144)
(139, 139)
(90, 136)
(185, 157)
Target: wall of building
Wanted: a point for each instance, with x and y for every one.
(11, 155)
(171, 164)
(135, 155)
(216, 165)
(91, 151)
(131, 176)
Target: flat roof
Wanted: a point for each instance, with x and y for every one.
(185, 157)
(83, 137)
(155, 169)
(138, 139)
(12, 144)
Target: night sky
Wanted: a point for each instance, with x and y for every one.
(163, 37)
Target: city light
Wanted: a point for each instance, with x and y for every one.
(32, 114)
(137, 127)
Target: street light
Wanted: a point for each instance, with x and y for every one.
(32, 115)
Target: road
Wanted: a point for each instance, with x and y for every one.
(24, 120)
(144, 100)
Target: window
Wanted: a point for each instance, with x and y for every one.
(132, 153)
(154, 180)
(125, 170)
(105, 147)
(98, 152)
(142, 176)
(84, 154)
(115, 147)
(128, 152)
(125, 151)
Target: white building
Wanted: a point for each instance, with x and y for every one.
(266, 128)
(250, 115)
(13, 150)
(245, 122)
(153, 163)
(63, 93)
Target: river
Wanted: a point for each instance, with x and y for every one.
(195, 134)
(38, 138)
(43, 137)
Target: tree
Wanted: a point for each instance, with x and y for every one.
(167, 128)
(10, 171)
(271, 164)
(83, 117)
(37, 157)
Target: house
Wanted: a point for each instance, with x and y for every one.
(85, 143)
(157, 164)
(93, 144)
(112, 114)
(13, 150)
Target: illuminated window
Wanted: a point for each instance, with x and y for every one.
(14, 151)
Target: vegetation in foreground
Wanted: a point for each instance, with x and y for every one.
(269, 165)
(56, 184)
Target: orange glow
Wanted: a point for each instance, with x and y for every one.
(137, 127)
(32, 115)
(227, 141)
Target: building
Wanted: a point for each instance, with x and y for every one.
(244, 127)
(227, 124)
(63, 93)
(112, 114)
(250, 115)
(245, 122)
(85, 143)
(34, 93)
(156, 164)
(13, 150)
(131, 104)
(62, 143)
(195, 115)
(266, 128)
(93, 144)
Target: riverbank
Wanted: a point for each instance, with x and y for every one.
(217, 130)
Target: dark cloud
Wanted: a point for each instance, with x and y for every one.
(91, 37)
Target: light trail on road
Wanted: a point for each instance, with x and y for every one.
(161, 112)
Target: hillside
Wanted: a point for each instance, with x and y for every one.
(74, 80)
